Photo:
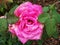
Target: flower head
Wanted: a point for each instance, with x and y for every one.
(27, 27)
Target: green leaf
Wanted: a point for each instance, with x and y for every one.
(3, 30)
(3, 24)
(42, 18)
(51, 27)
(11, 19)
(45, 9)
(12, 10)
(56, 15)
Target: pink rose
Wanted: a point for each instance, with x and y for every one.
(27, 29)
(28, 9)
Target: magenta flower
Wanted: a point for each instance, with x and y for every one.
(27, 27)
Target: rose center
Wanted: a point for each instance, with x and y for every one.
(29, 22)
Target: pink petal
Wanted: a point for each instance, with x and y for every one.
(23, 40)
(28, 8)
(11, 28)
(36, 37)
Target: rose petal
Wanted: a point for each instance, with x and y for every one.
(23, 40)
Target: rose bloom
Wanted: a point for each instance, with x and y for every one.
(27, 27)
